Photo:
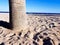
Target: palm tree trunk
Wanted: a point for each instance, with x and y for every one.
(18, 14)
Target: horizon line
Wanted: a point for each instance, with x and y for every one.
(41, 13)
(31, 12)
(4, 11)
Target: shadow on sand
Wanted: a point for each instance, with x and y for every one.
(5, 24)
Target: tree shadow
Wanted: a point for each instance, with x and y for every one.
(6, 24)
(10, 14)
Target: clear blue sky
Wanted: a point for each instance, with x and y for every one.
(4, 5)
(48, 6)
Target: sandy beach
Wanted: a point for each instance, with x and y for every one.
(42, 30)
(4, 17)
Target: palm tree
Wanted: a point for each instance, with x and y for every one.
(18, 17)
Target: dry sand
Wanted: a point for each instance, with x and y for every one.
(42, 30)
(4, 17)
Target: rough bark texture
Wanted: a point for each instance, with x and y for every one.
(19, 17)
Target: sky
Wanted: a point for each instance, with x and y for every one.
(4, 5)
(42, 6)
